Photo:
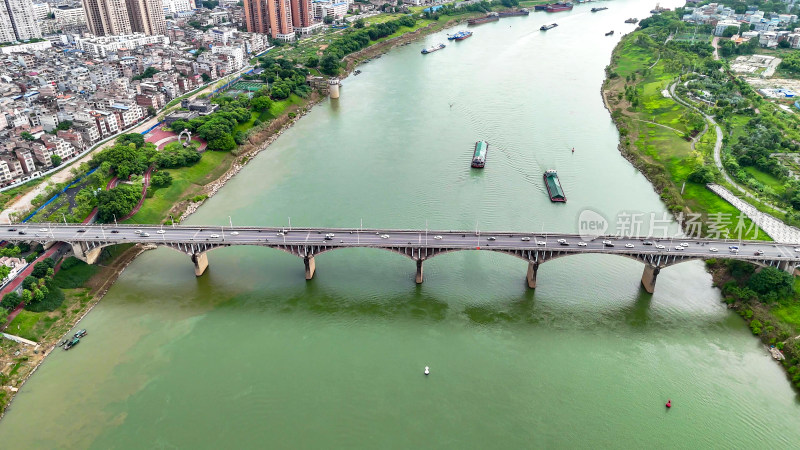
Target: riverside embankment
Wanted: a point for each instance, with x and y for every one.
(337, 361)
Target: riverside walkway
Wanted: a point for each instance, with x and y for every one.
(419, 245)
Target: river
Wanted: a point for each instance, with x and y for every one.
(252, 355)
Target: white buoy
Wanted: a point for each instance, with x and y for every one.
(427, 370)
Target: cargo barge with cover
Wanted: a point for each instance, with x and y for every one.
(554, 189)
(558, 7)
(548, 27)
(479, 157)
(520, 12)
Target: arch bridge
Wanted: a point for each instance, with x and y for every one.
(418, 245)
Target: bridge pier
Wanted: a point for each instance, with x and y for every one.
(89, 257)
(200, 261)
(311, 266)
(533, 268)
(649, 277)
(419, 271)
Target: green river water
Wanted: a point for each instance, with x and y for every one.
(252, 355)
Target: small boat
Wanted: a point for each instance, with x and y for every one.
(427, 371)
(610, 33)
(479, 156)
(548, 27)
(669, 404)
(356, 72)
(72, 343)
(61, 343)
(599, 9)
(425, 51)
(80, 333)
(632, 20)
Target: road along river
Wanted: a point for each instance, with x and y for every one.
(252, 355)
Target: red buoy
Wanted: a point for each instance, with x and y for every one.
(669, 403)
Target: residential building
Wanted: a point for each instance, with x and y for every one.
(102, 46)
(277, 17)
(147, 16)
(722, 25)
(67, 15)
(107, 17)
(18, 21)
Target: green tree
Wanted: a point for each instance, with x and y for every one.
(730, 31)
(40, 269)
(770, 279)
(261, 104)
(329, 65)
(223, 143)
(26, 296)
(3, 317)
(64, 125)
(117, 202)
(56, 160)
(131, 138)
(27, 136)
(312, 62)
(206, 77)
(360, 22)
(161, 179)
(148, 73)
(10, 300)
(328, 20)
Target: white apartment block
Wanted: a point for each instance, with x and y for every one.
(176, 6)
(103, 45)
(66, 15)
(235, 56)
(17, 21)
(40, 10)
(723, 24)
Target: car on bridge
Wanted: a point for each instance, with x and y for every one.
(713, 249)
(385, 236)
(525, 239)
(437, 237)
(608, 243)
(647, 243)
(660, 247)
(628, 245)
(758, 252)
(581, 244)
(328, 236)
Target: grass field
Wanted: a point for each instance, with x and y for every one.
(766, 179)
(186, 182)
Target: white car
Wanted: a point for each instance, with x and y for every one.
(541, 243)
(138, 231)
(581, 244)
(42, 229)
(145, 234)
(280, 233)
(234, 233)
(629, 245)
(561, 241)
(384, 236)
(713, 249)
(678, 247)
(797, 249)
(160, 231)
(437, 237)
(214, 236)
(684, 244)
(525, 239)
(660, 247)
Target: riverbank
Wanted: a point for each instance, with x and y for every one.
(665, 142)
(47, 329)
(92, 292)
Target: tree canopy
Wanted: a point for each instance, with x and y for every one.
(117, 202)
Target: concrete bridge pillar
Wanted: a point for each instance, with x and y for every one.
(311, 266)
(200, 261)
(89, 257)
(419, 272)
(533, 268)
(649, 277)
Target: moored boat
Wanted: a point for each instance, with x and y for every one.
(72, 343)
(436, 47)
(479, 156)
(547, 27)
(610, 33)
(519, 12)
(599, 9)
(80, 333)
(491, 17)
(459, 36)
(632, 20)
(540, 7)
(558, 7)
(553, 185)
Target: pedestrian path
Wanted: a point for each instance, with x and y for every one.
(773, 227)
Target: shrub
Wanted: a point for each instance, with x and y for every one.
(10, 300)
(53, 298)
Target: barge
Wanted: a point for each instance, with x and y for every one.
(520, 12)
(599, 9)
(558, 7)
(479, 156)
(492, 17)
(548, 27)
(425, 51)
(554, 189)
